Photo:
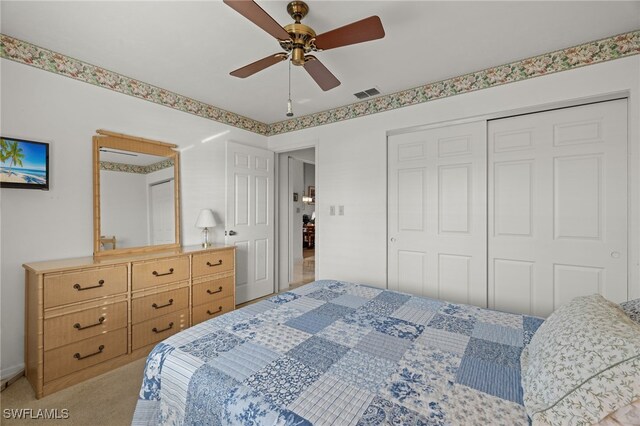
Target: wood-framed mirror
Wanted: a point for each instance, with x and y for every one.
(136, 195)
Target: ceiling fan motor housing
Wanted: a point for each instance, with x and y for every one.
(302, 36)
(300, 43)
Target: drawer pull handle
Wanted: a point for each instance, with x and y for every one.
(155, 330)
(156, 306)
(158, 274)
(218, 263)
(215, 312)
(219, 290)
(79, 327)
(80, 288)
(79, 357)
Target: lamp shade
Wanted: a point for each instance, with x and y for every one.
(205, 219)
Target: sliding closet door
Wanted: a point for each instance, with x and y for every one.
(437, 213)
(558, 207)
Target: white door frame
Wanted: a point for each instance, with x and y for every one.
(282, 235)
(633, 170)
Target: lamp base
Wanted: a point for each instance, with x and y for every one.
(205, 238)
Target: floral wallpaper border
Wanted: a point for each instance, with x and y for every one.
(39, 57)
(131, 168)
(607, 49)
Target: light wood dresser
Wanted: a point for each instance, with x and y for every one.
(87, 316)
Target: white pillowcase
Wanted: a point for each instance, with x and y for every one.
(582, 364)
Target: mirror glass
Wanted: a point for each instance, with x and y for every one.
(137, 199)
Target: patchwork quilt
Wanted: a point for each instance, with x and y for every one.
(339, 353)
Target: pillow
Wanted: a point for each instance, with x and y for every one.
(632, 308)
(582, 364)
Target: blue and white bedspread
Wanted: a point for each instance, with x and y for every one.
(338, 353)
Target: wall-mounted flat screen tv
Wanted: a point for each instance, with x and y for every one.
(24, 164)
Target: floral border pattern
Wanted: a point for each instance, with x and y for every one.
(131, 168)
(38, 57)
(607, 49)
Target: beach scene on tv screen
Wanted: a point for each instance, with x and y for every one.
(23, 162)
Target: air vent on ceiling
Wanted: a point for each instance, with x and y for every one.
(367, 93)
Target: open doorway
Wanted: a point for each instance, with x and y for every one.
(298, 225)
(305, 266)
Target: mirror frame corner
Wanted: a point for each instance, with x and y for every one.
(145, 146)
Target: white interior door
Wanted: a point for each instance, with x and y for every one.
(249, 218)
(437, 213)
(162, 213)
(558, 207)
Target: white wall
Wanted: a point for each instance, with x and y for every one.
(308, 155)
(159, 175)
(123, 208)
(351, 161)
(55, 224)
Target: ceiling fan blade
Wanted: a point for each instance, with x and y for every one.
(263, 63)
(250, 10)
(357, 32)
(320, 73)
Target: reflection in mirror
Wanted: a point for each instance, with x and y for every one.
(136, 199)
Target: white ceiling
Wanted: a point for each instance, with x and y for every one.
(190, 47)
(128, 157)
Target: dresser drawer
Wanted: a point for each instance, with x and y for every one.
(155, 305)
(157, 329)
(69, 328)
(210, 291)
(213, 262)
(76, 356)
(212, 309)
(150, 274)
(60, 289)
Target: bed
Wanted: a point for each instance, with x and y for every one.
(339, 353)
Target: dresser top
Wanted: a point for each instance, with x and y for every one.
(90, 261)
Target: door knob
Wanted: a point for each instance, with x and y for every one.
(615, 254)
(393, 240)
(232, 232)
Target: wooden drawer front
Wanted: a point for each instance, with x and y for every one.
(61, 289)
(76, 356)
(65, 329)
(210, 291)
(159, 304)
(157, 329)
(212, 263)
(212, 309)
(151, 274)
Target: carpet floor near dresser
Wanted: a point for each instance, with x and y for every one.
(109, 399)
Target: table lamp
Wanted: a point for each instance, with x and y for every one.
(205, 221)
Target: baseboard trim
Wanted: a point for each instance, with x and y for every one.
(10, 379)
(9, 372)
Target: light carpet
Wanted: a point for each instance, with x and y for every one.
(109, 399)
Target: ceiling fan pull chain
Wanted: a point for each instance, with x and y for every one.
(289, 104)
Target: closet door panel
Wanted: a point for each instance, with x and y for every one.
(558, 203)
(437, 213)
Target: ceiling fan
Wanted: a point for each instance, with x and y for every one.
(298, 40)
